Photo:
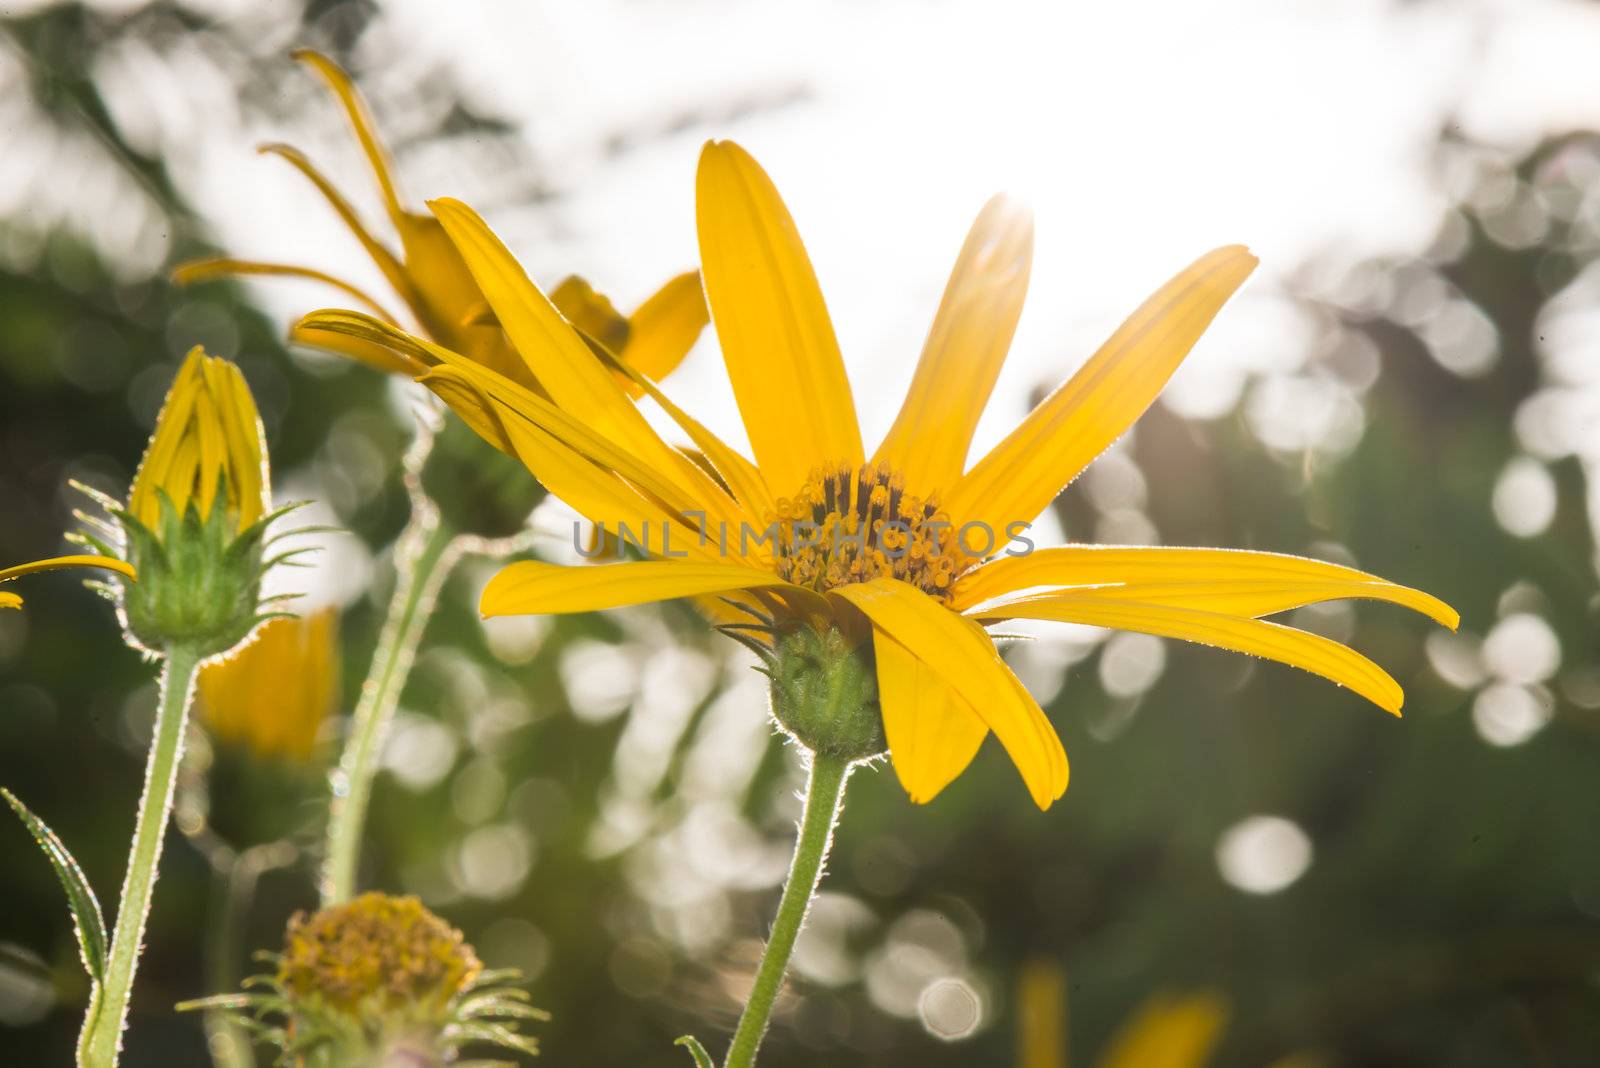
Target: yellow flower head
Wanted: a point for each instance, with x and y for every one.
(430, 278)
(273, 695)
(904, 552)
(56, 563)
(376, 956)
(208, 447)
(380, 981)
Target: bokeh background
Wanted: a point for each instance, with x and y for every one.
(1411, 382)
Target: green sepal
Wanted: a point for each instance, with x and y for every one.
(88, 922)
(825, 692)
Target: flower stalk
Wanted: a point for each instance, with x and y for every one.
(101, 1039)
(426, 551)
(824, 799)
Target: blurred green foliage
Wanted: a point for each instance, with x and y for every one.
(1450, 915)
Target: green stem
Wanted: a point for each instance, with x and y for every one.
(824, 795)
(422, 559)
(101, 1040)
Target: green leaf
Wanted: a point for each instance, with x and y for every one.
(702, 1059)
(87, 919)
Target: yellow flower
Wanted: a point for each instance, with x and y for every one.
(430, 278)
(273, 695)
(56, 563)
(208, 441)
(1168, 1030)
(380, 981)
(930, 575)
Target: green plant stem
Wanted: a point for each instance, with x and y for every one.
(824, 796)
(101, 1040)
(422, 559)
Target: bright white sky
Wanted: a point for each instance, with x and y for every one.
(1143, 132)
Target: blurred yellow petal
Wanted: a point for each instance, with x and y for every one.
(10, 600)
(1231, 581)
(933, 733)
(777, 340)
(1021, 475)
(1169, 1032)
(590, 311)
(393, 271)
(223, 267)
(1273, 641)
(355, 108)
(530, 587)
(663, 329)
(273, 695)
(509, 401)
(964, 657)
(565, 367)
(962, 355)
(1042, 1015)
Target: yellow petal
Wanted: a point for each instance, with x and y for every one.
(10, 600)
(933, 733)
(740, 475)
(464, 398)
(965, 348)
(964, 657)
(392, 269)
(355, 108)
(1042, 1015)
(378, 357)
(223, 267)
(530, 587)
(1273, 641)
(1231, 581)
(59, 563)
(565, 367)
(1021, 475)
(776, 337)
(591, 312)
(1169, 1032)
(663, 329)
(464, 382)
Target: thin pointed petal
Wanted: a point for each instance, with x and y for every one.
(776, 337)
(530, 587)
(1230, 581)
(1272, 641)
(965, 349)
(1020, 476)
(966, 660)
(933, 732)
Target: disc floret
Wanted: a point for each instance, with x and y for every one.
(851, 524)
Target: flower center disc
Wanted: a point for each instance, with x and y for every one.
(850, 525)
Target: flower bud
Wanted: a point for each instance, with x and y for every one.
(196, 517)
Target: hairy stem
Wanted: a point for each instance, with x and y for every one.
(824, 796)
(101, 1039)
(423, 557)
